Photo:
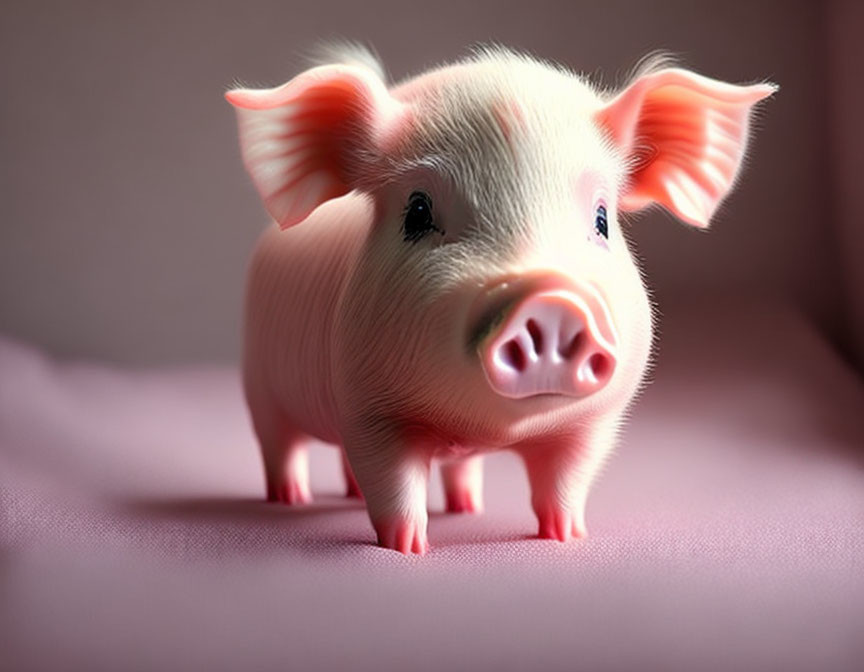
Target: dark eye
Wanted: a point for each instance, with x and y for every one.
(418, 217)
(601, 224)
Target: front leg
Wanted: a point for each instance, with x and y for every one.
(561, 471)
(392, 472)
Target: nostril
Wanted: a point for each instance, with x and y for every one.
(600, 365)
(513, 355)
(568, 349)
(536, 336)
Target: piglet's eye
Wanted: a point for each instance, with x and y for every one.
(418, 219)
(601, 223)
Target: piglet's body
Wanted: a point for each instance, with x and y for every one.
(449, 277)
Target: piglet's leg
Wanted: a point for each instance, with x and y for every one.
(284, 453)
(561, 473)
(352, 488)
(287, 472)
(393, 478)
(463, 484)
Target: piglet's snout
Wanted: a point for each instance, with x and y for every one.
(553, 341)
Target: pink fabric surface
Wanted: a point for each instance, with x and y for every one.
(726, 533)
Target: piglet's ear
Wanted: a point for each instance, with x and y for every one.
(306, 142)
(684, 137)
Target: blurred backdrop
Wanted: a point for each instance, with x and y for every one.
(127, 218)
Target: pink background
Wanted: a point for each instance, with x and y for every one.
(127, 219)
(727, 532)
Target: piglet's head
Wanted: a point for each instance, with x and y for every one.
(678, 139)
(315, 138)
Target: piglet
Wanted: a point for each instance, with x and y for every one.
(449, 277)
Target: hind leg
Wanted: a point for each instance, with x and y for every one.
(284, 454)
(287, 473)
(463, 484)
(352, 488)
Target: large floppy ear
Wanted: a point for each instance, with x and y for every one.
(684, 138)
(309, 140)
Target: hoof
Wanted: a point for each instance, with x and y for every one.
(291, 493)
(464, 500)
(560, 524)
(404, 535)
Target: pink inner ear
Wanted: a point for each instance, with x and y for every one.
(685, 137)
(298, 139)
